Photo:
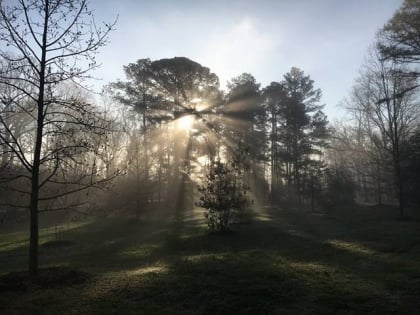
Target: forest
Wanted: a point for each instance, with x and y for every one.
(169, 193)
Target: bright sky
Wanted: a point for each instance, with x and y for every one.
(328, 39)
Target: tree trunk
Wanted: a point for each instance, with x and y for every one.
(33, 234)
(312, 194)
(33, 228)
(273, 161)
(146, 160)
(33, 239)
(159, 192)
(399, 182)
(138, 206)
(378, 180)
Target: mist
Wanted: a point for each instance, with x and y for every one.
(183, 188)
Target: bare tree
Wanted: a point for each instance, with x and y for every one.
(384, 102)
(47, 43)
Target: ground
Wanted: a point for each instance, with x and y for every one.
(353, 260)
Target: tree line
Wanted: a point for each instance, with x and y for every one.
(384, 104)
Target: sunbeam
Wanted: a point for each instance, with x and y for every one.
(185, 122)
(176, 177)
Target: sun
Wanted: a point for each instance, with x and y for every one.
(185, 122)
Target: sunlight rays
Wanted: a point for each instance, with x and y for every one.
(185, 122)
(351, 247)
(197, 133)
(154, 269)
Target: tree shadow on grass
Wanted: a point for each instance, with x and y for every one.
(97, 246)
(251, 282)
(290, 264)
(371, 278)
(261, 269)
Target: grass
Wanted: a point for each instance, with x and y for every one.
(351, 261)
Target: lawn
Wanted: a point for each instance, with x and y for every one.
(350, 261)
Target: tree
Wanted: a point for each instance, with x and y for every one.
(411, 168)
(384, 101)
(224, 191)
(137, 93)
(164, 91)
(302, 128)
(242, 109)
(48, 43)
(274, 96)
(399, 39)
(244, 120)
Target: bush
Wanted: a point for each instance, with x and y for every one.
(223, 194)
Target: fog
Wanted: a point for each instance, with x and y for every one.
(171, 177)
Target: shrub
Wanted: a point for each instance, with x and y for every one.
(223, 194)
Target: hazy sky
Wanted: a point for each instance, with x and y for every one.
(327, 39)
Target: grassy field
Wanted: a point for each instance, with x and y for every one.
(352, 261)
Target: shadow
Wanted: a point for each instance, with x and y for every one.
(291, 262)
(96, 246)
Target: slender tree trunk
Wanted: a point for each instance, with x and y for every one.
(33, 228)
(297, 180)
(183, 197)
(400, 193)
(273, 158)
(137, 183)
(159, 192)
(366, 186)
(33, 234)
(399, 181)
(146, 160)
(312, 194)
(397, 159)
(378, 180)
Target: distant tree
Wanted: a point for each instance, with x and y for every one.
(356, 150)
(340, 187)
(302, 127)
(384, 101)
(411, 168)
(182, 83)
(13, 123)
(244, 120)
(44, 43)
(274, 97)
(161, 92)
(137, 93)
(242, 97)
(297, 131)
(243, 108)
